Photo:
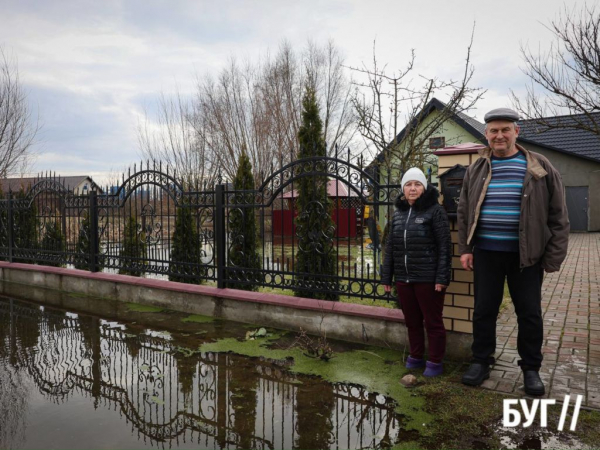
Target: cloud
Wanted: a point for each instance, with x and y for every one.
(92, 67)
(77, 135)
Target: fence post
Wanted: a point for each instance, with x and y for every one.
(11, 238)
(261, 215)
(220, 234)
(94, 244)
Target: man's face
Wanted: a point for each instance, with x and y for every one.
(502, 135)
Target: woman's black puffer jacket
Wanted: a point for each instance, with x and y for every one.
(419, 249)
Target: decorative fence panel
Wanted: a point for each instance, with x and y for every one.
(151, 224)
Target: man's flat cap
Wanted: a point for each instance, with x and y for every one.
(501, 114)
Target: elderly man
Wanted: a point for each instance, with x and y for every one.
(512, 225)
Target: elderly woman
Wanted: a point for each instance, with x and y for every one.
(418, 254)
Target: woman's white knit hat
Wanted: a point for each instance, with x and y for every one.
(414, 174)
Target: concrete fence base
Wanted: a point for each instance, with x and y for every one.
(372, 325)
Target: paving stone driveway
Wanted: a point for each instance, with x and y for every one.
(571, 309)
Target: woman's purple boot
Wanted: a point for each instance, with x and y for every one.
(414, 363)
(433, 369)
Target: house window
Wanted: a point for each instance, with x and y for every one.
(437, 142)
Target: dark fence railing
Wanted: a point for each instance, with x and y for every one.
(153, 225)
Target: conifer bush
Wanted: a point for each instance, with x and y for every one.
(3, 227)
(185, 265)
(243, 240)
(84, 246)
(53, 241)
(134, 251)
(25, 226)
(315, 228)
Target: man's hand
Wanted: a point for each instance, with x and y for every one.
(387, 288)
(440, 287)
(466, 261)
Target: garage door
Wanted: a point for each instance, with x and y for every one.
(577, 204)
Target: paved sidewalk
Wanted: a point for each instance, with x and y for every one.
(571, 310)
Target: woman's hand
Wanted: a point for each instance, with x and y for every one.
(440, 287)
(387, 288)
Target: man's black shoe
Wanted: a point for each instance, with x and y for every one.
(533, 383)
(476, 374)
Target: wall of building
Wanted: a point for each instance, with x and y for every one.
(449, 161)
(577, 172)
(450, 130)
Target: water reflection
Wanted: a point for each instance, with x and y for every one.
(206, 400)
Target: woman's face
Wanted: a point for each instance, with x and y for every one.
(413, 190)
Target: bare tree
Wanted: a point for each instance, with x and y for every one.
(568, 74)
(326, 76)
(283, 81)
(253, 107)
(257, 107)
(384, 100)
(235, 117)
(17, 126)
(176, 138)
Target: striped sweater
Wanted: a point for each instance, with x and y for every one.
(498, 224)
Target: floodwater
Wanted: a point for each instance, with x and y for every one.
(76, 380)
(80, 372)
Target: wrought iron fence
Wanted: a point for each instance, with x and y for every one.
(151, 224)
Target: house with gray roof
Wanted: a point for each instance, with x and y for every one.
(574, 152)
(576, 155)
(80, 185)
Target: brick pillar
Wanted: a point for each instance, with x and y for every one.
(458, 304)
(459, 301)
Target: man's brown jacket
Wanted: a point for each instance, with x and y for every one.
(544, 223)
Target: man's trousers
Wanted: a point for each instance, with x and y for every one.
(491, 268)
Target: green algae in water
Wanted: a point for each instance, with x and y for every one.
(186, 352)
(411, 445)
(77, 295)
(196, 318)
(136, 307)
(378, 370)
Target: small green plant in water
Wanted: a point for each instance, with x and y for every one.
(258, 333)
(313, 348)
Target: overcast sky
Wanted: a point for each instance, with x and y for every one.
(92, 67)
